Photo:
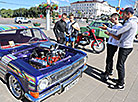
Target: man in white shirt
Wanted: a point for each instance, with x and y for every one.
(72, 30)
(111, 47)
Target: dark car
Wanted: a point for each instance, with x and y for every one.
(35, 68)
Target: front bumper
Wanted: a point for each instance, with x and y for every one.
(58, 88)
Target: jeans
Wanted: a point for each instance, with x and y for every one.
(72, 39)
(111, 49)
(122, 56)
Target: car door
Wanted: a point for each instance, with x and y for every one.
(3, 68)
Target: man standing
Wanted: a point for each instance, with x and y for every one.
(127, 32)
(72, 30)
(60, 29)
(111, 47)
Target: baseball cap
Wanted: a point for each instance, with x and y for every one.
(128, 9)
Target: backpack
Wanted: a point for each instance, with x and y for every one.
(74, 32)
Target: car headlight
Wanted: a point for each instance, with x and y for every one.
(43, 84)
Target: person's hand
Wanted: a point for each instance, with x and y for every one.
(107, 33)
(104, 27)
(67, 34)
(58, 38)
(73, 26)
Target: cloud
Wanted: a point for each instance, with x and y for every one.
(55, 1)
(65, 0)
(58, 1)
(99, 0)
(36, 5)
(128, 6)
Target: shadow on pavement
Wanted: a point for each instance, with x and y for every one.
(87, 50)
(96, 73)
(2, 81)
(135, 40)
(25, 100)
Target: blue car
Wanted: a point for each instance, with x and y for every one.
(35, 68)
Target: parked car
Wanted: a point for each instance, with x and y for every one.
(22, 20)
(94, 25)
(34, 67)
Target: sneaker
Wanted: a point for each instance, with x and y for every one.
(114, 80)
(117, 86)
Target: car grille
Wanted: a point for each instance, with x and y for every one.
(66, 72)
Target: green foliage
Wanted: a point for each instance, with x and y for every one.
(6, 13)
(79, 13)
(33, 12)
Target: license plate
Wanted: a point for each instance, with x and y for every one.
(71, 84)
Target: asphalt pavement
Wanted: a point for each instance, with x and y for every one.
(90, 88)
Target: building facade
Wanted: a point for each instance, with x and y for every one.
(89, 9)
(65, 9)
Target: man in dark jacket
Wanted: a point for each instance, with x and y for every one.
(60, 29)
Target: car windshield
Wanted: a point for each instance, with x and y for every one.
(97, 24)
(20, 37)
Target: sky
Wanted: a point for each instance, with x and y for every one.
(15, 4)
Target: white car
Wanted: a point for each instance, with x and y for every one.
(22, 20)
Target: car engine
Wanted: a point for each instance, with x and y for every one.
(41, 57)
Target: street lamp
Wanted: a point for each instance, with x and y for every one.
(48, 17)
(118, 8)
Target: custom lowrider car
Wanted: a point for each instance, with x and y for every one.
(35, 68)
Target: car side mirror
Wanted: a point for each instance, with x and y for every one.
(88, 27)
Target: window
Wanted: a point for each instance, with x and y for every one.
(38, 34)
(97, 24)
(26, 32)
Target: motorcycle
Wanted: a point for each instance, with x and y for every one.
(88, 37)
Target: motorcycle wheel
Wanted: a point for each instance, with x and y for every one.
(76, 45)
(136, 37)
(97, 48)
(85, 41)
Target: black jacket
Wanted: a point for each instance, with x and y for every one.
(60, 28)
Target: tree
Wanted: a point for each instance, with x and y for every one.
(6, 13)
(23, 12)
(79, 13)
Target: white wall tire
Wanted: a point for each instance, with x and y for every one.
(15, 87)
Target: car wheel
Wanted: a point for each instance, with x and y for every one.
(15, 87)
(20, 22)
(29, 21)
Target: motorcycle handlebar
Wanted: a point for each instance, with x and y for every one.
(88, 27)
(92, 30)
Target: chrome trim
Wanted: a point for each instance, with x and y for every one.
(56, 88)
(71, 68)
